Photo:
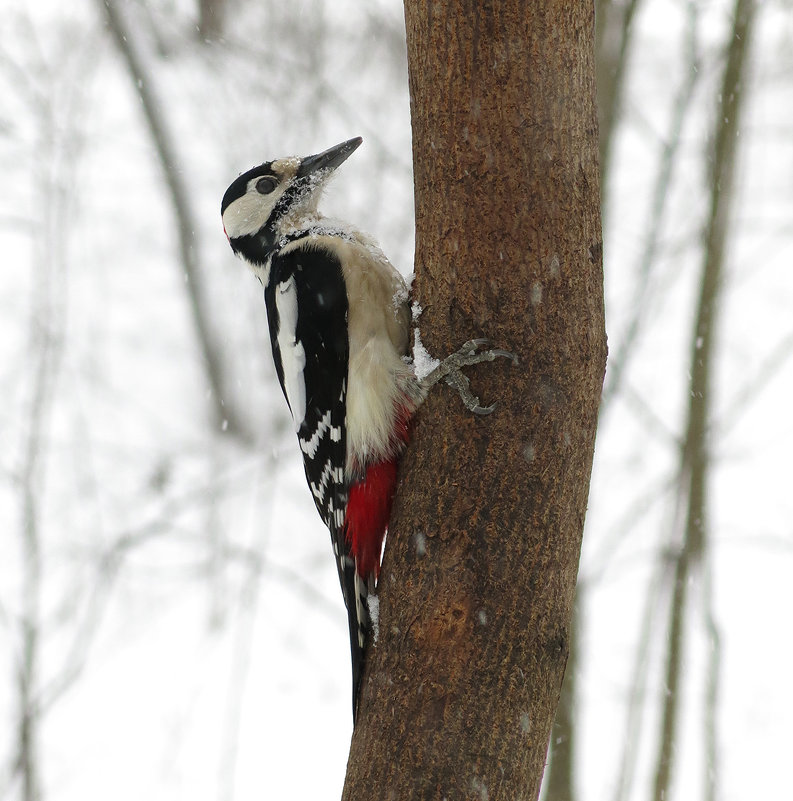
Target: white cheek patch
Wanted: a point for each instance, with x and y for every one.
(249, 213)
(293, 354)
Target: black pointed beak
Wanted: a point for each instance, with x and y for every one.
(329, 159)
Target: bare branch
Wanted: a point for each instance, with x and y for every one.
(619, 359)
(712, 689)
(634, 715)
(131, 49)
(613, 30)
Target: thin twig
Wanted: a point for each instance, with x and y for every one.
(712, 688)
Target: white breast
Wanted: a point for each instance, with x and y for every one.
(378, 323)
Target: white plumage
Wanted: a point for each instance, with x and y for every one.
(293, 355)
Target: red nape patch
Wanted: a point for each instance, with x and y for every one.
(368, 510)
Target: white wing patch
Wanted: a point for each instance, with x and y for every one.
(293, 354)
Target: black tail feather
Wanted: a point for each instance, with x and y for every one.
(356, 594)
(358, 661)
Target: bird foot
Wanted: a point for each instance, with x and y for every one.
(450, 370)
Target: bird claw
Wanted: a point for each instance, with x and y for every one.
(483, 410)
(450, 370)
(470, 348)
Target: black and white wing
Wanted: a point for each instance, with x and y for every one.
(307, 313)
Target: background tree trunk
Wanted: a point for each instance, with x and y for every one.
(613, 36)
(478, 579)
(695, 456)
(210, 19)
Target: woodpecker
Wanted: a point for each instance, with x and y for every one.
(340, 325)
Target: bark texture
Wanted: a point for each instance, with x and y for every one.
(479, 575)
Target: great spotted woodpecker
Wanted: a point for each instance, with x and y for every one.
(339, 324)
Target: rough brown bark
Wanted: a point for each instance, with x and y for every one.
(479, 573)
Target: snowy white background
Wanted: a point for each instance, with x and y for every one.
(189, 634)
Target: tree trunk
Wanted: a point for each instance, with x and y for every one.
(479, 574)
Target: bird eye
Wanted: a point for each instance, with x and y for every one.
(265, 185)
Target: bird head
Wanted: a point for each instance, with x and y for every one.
(264, 202)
